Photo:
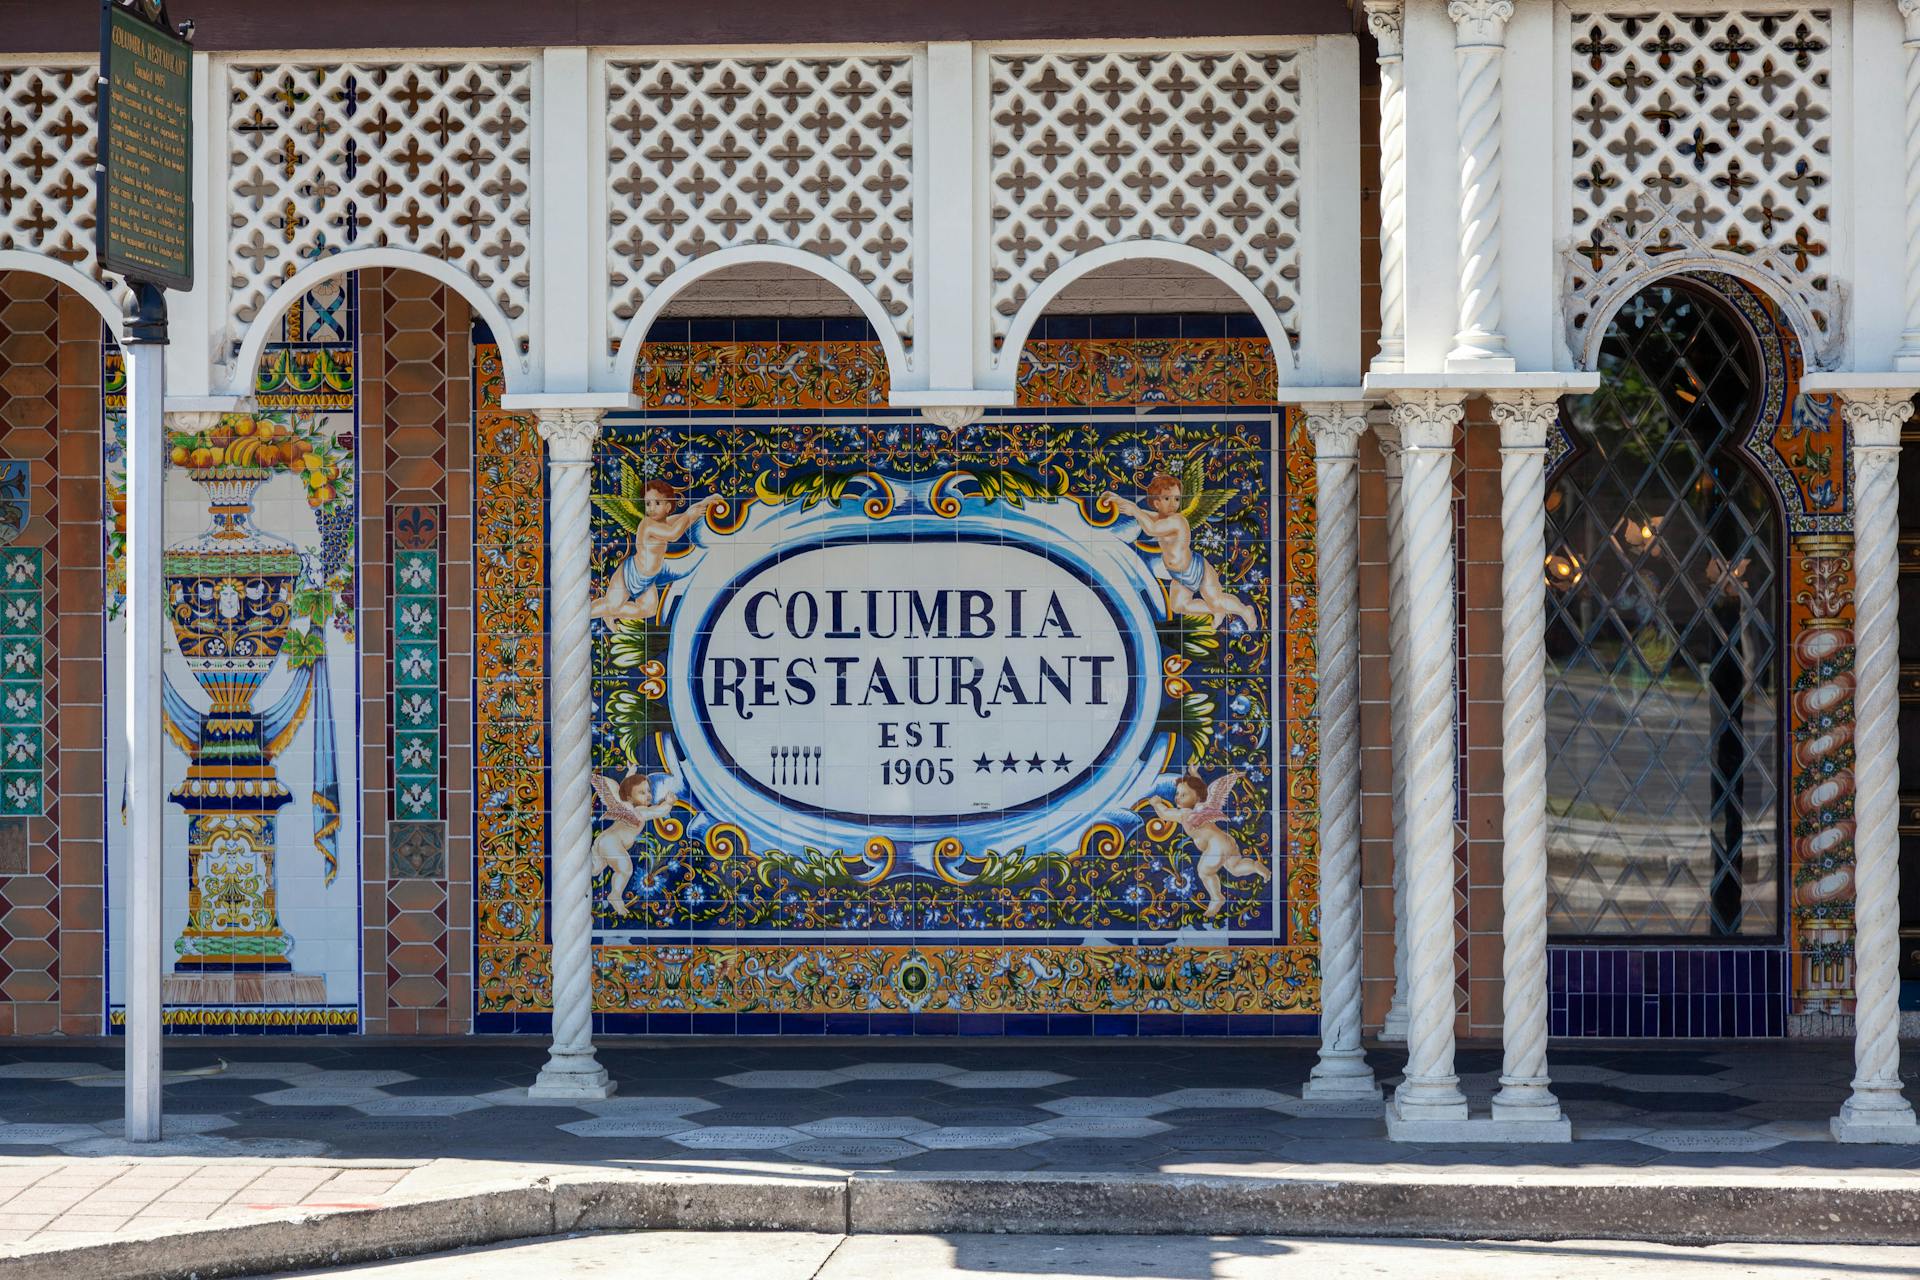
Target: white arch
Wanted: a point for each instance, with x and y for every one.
(779, 255)
(71, 277)
(1617, 295)
(1106, 255)
(260, 330)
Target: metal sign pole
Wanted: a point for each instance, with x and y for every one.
(144, 233)
(146, 453)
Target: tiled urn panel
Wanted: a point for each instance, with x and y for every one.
(776, 853)
(262, 813)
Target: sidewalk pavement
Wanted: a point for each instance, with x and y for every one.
(904, 1136)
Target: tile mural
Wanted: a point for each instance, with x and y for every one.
(261, 893)
(896, 721)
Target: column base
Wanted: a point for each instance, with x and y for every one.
(1492, 1128)
(1489, 358)
(1394, 1028)
(1340, 1084)
(572, 1078)
(1428, 1111)
(1532, 1120)
(1882, 1123)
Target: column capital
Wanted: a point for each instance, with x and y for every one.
(1480, 23)
(1525, 418)
(1876, 414)
(1384, 19)
(1426, 419)
(1336, 427)
(1910, 10)
(1386, 432)
(570, 433)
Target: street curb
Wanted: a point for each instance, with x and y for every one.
(1673, 1210)
(1837, 1210)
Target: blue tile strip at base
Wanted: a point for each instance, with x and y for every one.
(1171, 1025)
(1667, 992)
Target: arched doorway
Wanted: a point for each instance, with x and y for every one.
(1664, 644)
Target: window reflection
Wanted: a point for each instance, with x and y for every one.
(1663, 725)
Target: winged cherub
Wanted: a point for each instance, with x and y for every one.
(1176, 506)
(1200, 808)
(635, 589)
(630, 804)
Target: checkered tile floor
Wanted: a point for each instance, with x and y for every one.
(948, 1105)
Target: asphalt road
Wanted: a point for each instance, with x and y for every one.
(758, 1256)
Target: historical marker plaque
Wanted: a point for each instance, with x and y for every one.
(145, 227)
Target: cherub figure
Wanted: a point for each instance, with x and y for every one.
(1177, 506)
(630, 804)
(1201, 808)
(634, 589)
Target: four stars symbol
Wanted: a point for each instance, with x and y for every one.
(1011, 763)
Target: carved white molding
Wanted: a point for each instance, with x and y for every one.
(1342, 1070)
(48, 133)
(1394, 1027)
(952, 417)
(1091, 149)
(1430, 1090)
(1702, 142)
(1480, 57)
(571, 1070)
(432, 157)
(1384, 19)
(808, 153)
(1876, 1110)
(1525, 419)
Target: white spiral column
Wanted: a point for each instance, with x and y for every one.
(1384, 20)
(1480, 32)
(571, 1070)
(1342, 1071)
(1525, 1102)
(1429, 1100)
(1908, 357)
(1877, 1111)
(1395, 1025)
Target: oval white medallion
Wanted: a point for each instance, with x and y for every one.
(945, 679)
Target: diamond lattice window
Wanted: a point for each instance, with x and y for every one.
(1663, 687)
(46, 183)
(813, 154)
(1186, 146)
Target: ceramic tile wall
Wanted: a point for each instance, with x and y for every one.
(1668, 992)
(416, 671)
(50, 725)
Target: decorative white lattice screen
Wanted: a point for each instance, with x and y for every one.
(1198, 148)
(46, 182)
(1702, 136)
(814, 154)
(429, 156)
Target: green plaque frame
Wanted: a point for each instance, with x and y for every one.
(143, 225)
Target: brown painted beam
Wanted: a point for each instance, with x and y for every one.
(63, 26)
